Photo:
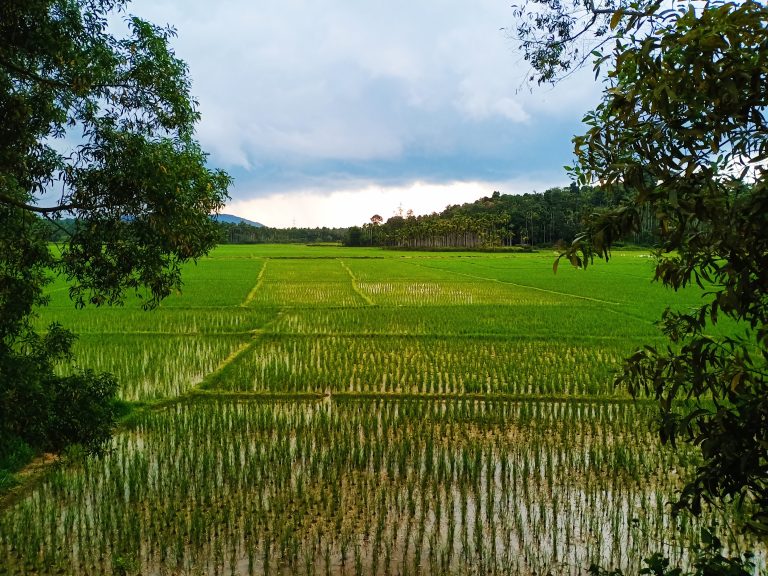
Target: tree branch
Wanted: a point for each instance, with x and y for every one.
(33, 76)
(59, 226)
(133, 86)
(607, 11)
(41, 210)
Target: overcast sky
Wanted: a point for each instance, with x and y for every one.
(326, 113)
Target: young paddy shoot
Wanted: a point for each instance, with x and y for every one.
(338, 411)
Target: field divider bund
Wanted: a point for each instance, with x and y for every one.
(562, 338)
(536, 288)
(355, 285)
(213, 376)
(199, 395)
(256, 335)
(33, 475)
(166, 333)
(259, 281)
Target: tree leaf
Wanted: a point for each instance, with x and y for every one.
(616, 18)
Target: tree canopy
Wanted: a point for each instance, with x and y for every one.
(681, 126)
(99, 128)
(502, 220)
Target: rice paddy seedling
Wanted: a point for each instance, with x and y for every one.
(300, 283)
(407, 413)
(513, 319)
(231, 469)
(134, 320)
(155, 366)
(427, 366)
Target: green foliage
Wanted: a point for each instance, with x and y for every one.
(708, 560)
(15, 453)
(354, 236)
(243, 233)
(83, 410)
(547, 218)
(41, 410)
(132, 176)
(135, 179)
(681, 126)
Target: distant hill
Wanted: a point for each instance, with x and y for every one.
(230, 219)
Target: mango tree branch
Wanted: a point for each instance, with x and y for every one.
(30, 75)
(40, 209)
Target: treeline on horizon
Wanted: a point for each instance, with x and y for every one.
(496, 221)
(242, 233)
(499, 220)
(246, 234)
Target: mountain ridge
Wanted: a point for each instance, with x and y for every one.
(232, 219)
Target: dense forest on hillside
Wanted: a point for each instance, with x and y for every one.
(499, 220)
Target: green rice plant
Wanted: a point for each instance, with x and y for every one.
(150, 367)
(623, 285)
(467, 423)
(133, 320)
(306, 283)
(413, 365)
(554, 321)
(213, 281)
(187, 485)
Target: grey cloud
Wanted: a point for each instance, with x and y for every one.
(297, 91)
